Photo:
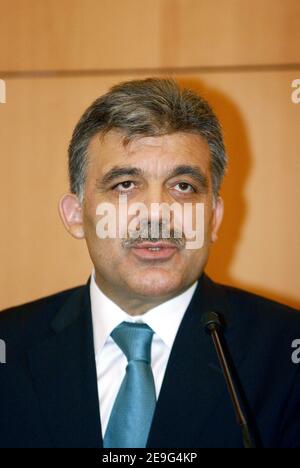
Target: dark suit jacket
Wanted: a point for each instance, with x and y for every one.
(48, 387)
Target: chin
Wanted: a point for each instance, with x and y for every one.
(156, 283)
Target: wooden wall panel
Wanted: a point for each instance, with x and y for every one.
(130, 34)
(259, 243)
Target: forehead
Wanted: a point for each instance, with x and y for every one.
(149, 153)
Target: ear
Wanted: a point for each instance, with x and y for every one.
(70, 211)
(217, 216)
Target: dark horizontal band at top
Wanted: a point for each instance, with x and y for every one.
(25, 74)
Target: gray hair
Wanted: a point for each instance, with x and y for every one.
(150, 107)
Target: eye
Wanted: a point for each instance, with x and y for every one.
(125, 186)
(184, 187)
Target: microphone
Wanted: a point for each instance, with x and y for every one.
(213, 326)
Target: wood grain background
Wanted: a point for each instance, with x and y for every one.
(59, 55)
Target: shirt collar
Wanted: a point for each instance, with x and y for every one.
(164, 319)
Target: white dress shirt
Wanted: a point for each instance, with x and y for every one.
(111, 363)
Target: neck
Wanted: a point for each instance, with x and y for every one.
(132, 304)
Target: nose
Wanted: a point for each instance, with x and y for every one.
(158, 218)
(157, 200)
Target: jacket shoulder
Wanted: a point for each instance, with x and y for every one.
(258, 311)
(249, 299)
(37, 314)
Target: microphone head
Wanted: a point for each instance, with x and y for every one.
(211, 321)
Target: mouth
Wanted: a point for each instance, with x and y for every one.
(154, 250)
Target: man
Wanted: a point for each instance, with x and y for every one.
(124, 361)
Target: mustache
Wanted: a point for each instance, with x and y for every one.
(154, 232)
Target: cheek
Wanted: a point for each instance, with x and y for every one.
(89, 226)
(106, 254)
(197, 226)
(208, 221)
(100, 249)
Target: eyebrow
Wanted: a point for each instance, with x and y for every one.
(116, 172)
(121, 171)
(193, 171)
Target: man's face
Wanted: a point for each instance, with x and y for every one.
(148, 170)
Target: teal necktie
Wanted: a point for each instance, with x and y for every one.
(130, 420)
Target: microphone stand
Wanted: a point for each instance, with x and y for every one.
(213, 326)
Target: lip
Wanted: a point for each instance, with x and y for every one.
(166, 251)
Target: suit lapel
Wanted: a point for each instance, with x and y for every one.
(64, 374)
(193, 384)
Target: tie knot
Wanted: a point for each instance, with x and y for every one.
(135, 340)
